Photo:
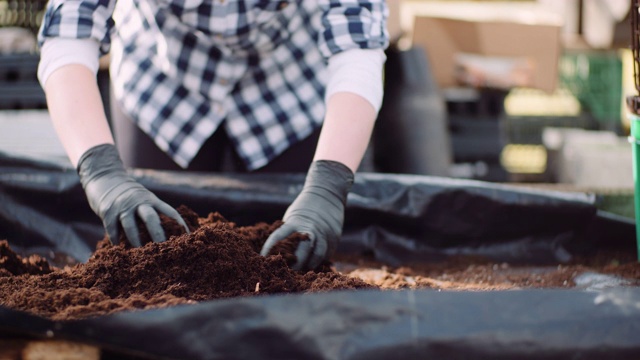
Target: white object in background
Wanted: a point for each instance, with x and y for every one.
(15, 40)
(599, 18)
(567, 10)
(599, 21)
(589, 159)
(30, 133)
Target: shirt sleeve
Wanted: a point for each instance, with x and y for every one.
(353, 24)
(58, 52)
(78, 19)
(358, 71)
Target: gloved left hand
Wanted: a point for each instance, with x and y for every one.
(118, 199)
(318, 212)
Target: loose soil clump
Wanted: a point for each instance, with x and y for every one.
(11, 264)
(218, 259)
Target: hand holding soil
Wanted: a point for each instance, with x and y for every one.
(318, 212)
(119, 200)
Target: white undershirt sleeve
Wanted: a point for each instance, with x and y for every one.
(58, 52)
(358, 71)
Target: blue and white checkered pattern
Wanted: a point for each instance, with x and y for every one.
(183, 67)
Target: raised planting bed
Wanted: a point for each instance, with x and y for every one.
(219, 259)
(427, 267)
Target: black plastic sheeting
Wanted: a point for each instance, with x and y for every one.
(392, 217)
(398, 219)
(422, 324)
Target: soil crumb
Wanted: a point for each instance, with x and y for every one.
(12, 264)
(287, 247)
(217, 259)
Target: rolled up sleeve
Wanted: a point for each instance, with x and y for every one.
(75, 19)
(353, 24)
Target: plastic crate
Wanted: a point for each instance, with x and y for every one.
(19, 86)
(18, 68)
(477, 104)
(20, 96)
(473, 140)
(26, 14)
(595, 78)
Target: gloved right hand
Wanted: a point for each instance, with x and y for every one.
(117, 198)
(318, 212)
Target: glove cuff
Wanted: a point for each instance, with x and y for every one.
(331, 175)
(97, 161)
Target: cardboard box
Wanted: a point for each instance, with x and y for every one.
(445, 39)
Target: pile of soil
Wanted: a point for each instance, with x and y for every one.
(218, 259)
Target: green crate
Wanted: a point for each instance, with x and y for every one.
(528, 129)
(619, 203)
(595, 79)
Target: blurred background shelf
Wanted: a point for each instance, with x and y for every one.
(29, 133)
(564, 124)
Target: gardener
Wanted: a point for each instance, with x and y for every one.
(221, 86)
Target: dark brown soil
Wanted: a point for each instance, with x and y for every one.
(12, 264)
(219, 259)
(216, 260)
(287, 247)
(468, 273)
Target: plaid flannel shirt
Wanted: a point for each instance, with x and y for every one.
(181, 68)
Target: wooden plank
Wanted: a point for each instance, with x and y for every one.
(18, 349)
(59, 350)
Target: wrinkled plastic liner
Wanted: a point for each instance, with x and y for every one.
(418, 324)
(396, 219)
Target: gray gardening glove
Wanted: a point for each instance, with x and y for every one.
(117, 198)
(318, 211)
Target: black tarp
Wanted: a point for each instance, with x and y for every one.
(397, 219)
(418, 324)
